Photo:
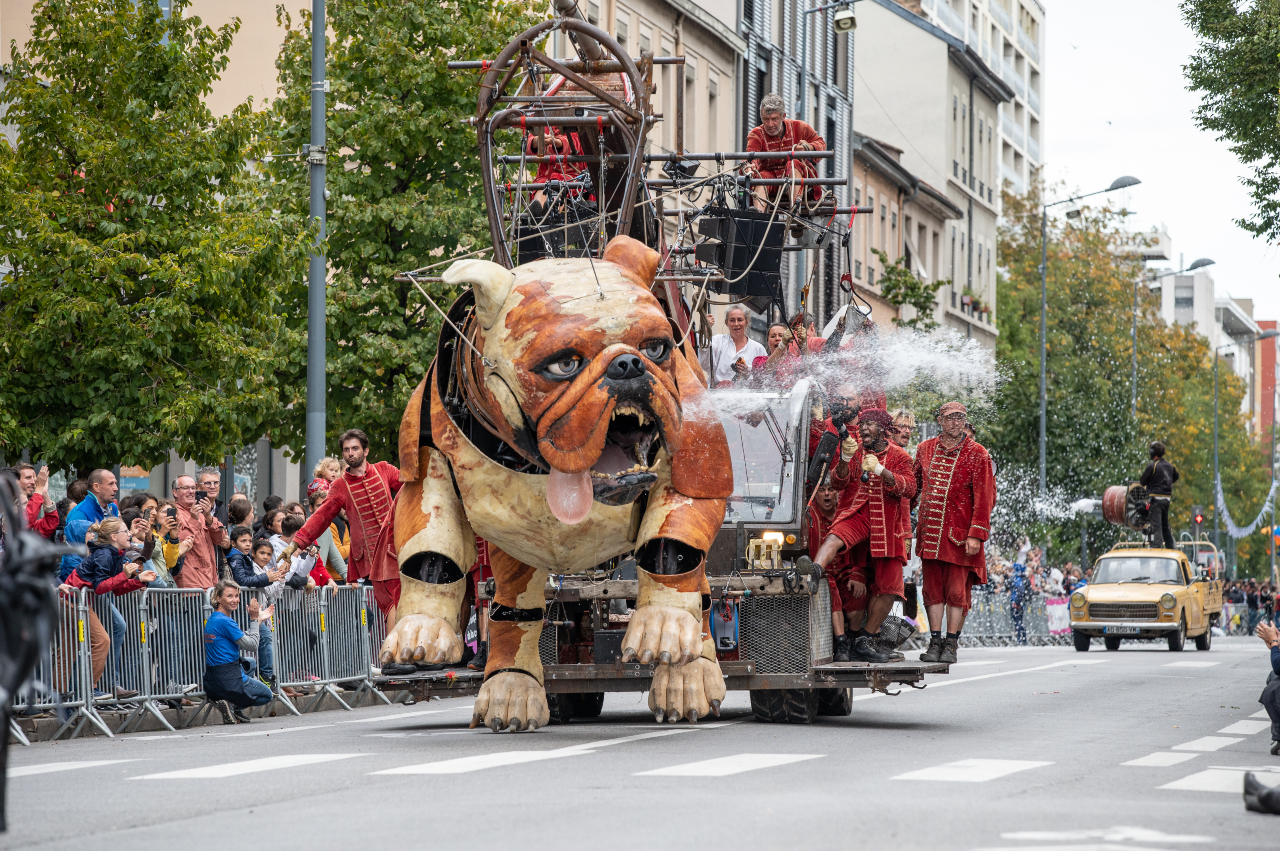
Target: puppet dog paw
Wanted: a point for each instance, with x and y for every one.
(511, 699)
(421, 639)
(691, 691)
(663, 634)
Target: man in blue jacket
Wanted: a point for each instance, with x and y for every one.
(100, 503)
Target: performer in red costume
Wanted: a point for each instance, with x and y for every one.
(870, 521)
(957, 493)
(776, 133)
(366, 491)
(848, 585)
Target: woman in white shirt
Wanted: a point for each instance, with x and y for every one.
(732, 354)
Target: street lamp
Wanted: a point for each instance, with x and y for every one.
(1198, 264)
(1118, 183)
(1266, 335)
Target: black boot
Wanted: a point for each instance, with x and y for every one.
(894, 655)
(934, 650)
(842, 648)
(1260, 798)
(949, 646)
(865, 650)
(481, 659)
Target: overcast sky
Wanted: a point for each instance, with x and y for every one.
(1116, 103)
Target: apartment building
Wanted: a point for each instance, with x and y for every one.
(931, 95)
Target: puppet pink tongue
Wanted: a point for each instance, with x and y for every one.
(569, 495)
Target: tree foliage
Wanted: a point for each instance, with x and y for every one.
(138, 314)
(404, 180)
(1093, 440)
(899, 286)
(1236, 69)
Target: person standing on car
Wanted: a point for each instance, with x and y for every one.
(1158, 479)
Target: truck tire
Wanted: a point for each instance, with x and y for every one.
(767, 705)
(1112, 642)
(1204, 640)
(800, 705)
(1080, 640)
(835, 702)
(1178, 638)
(561, 707)
(588, 705)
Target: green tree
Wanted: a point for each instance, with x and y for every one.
(1093, 440)
(404, 185)
(900, 286)
(138, 312)
(1236, 68)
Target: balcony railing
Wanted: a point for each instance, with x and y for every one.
(1016, 184)
(1001, 16)
(1013, 131)
(1033, 148)
(1029, 45)
(949, 19)
(1033, 99)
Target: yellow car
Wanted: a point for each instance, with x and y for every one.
(1140, 592)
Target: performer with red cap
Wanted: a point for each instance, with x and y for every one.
(957, 493)
(848, 585)
(869, 523)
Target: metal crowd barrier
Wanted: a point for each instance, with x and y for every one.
(319, 638)
(993, 620)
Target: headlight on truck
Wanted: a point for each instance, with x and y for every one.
(1168, 601)
(1077, 601)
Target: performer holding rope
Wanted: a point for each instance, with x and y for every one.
(776, 133)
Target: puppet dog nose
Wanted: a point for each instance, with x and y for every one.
(625, 366)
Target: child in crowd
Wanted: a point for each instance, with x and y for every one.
(327, 470)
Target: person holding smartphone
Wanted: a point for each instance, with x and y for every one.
(195, 520)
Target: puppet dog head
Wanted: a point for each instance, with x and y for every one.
(580, 354)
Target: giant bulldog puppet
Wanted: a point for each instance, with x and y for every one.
(576, 430)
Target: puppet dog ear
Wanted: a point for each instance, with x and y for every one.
(491, 283)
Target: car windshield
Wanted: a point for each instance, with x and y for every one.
(1137, 569)
(762, 432)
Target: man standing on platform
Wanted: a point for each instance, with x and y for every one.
(848, 585)
(957, 493)
(870, 521)
(366, 491)
(776, 133)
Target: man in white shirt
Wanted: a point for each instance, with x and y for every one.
(732, 354)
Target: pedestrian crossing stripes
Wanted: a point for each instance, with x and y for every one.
(1223, 779)
(1161, 758)
(1208, 744)
(63, 766)
(1261, 714)
(1245, 726)
(1191, 664)
(478, 762)
(245, 767)
(975, 770)
(397, 716)
(731, 765)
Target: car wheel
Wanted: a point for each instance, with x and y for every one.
(1112, 642)
(835, 702)
(767, 705)
(587, 705)
(1204, 639)
(1178, 638)
(561, 707)
(1080, 640)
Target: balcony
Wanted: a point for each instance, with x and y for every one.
(1033, 99)
(1013, 132)
(1015, 80)
(948, 18)
(1028, 44)
(1001, 16)
(1016, 184)
(1033, 148)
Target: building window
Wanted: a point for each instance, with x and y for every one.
(857, 269)
(893, 220)
(955, 168)
(955, 107)
(748, 11)
(981, 190)
(622, 34)
(991, 196)
(646, 39)
(593, 12)
(964, 176)
(871, 276)
(857, 196)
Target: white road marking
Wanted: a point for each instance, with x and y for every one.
(941, 683)
(973, 769)
(1219, 780)
(978, 663)
(1208, 744)
(395, 716)
(1161, 758)
(245, 767)
(731, 765)
(1191, 664)
(1114, 834)
(154, 737)
(272, 731)
(1245, 726)
(63, 766)
(1261, 714)
(510, 758)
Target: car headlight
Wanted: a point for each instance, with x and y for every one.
(1077, 600)
(1168, 601)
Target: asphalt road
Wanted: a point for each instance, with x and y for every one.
(1040, 748)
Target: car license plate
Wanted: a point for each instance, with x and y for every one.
(1120, 629)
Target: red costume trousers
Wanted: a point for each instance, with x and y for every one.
(885, 573)
(946, 583)
(387, 593)
(842, 598)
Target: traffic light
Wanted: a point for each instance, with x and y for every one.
(1197, 519)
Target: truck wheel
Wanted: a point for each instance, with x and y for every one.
(1112, 642)
(800, 705)
(1081, 640)
(835, 702)
(1204, 639)
(561, 707)
(588, 705)
(1178, 638)
(767, 705)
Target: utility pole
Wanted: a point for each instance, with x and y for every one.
(316, 273)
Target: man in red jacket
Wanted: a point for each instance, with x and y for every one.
(776, 133)
(957, 493)
(870, 522)
(848, 585)
(42, 513)
(367, 491)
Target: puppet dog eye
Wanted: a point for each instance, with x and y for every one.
(563, 367)
(656, 350)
